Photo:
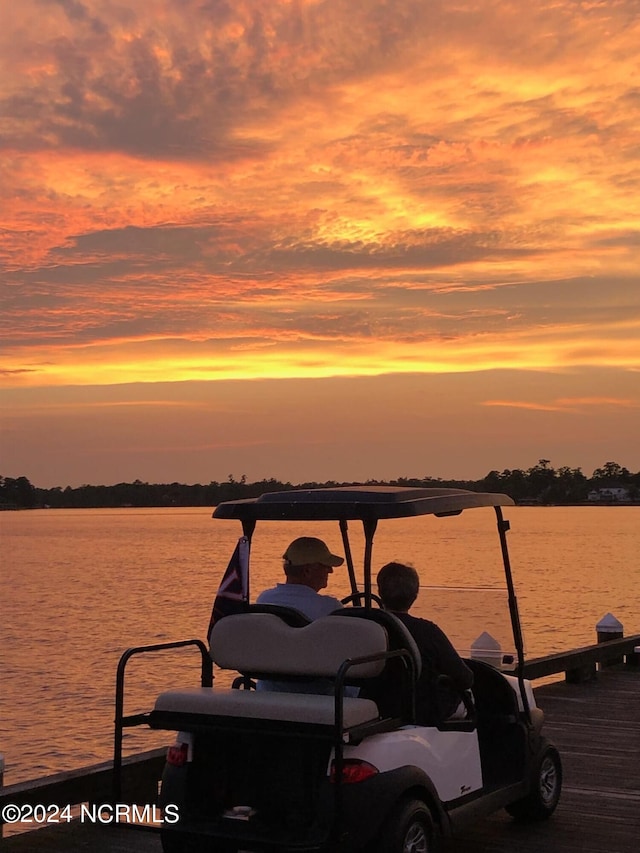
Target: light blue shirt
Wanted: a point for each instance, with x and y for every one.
(310, 603)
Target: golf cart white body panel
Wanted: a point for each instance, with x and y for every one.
(451, 760)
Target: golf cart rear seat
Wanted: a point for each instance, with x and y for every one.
(261, 645)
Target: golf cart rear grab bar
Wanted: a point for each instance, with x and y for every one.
(121, 722)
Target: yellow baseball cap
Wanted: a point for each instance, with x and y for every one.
(307, 550)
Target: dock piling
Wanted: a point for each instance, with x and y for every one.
(609, 628)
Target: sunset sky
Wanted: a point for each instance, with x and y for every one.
(318, 239)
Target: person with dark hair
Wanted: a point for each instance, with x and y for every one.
(398, 586)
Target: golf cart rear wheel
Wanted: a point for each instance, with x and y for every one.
(545, 791)
(409, 829)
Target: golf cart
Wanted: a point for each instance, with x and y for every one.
(347, 768)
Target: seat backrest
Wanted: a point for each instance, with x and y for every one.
(290, 615)
(397, 632)
(263, 645)
(394, 690)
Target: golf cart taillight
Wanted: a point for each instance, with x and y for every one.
(353, 770)
(177, 754)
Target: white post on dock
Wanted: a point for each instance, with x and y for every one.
(609, 628)
(486, 648)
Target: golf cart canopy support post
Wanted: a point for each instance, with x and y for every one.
(503, 527)
(344, 530)
(369, 527)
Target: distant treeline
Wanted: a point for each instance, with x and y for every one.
(540, 484)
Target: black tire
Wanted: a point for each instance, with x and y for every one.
(543, 798)
(408, 829)
(173, 789)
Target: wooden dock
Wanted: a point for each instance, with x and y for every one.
(596, 726)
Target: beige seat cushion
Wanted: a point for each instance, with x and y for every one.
(262, 643)
(264, 705)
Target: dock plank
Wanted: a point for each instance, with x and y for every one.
(596, 727)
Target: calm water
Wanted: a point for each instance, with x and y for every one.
(78, 587)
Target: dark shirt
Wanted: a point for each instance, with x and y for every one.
(436, 702)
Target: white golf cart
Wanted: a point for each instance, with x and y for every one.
(347, 769)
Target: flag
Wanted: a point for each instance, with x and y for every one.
(233, 592)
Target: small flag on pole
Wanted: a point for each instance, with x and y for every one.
(233, 592)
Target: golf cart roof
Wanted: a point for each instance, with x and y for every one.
(367, 503)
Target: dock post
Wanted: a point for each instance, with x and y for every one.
(609, 628)
(486, 648)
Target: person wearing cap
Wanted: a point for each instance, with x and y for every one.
(307, 564)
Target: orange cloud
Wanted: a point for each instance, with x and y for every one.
(624, 403)
(568, 404)
(532, 406)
